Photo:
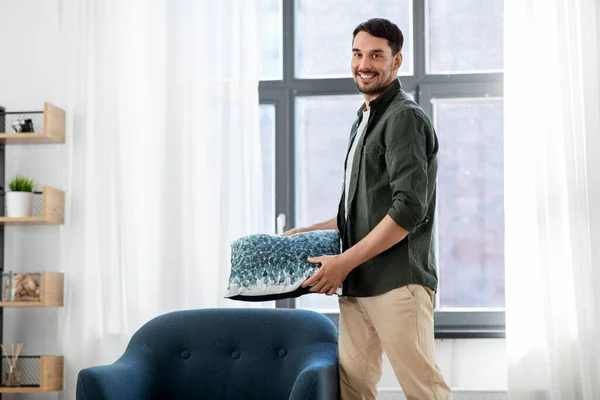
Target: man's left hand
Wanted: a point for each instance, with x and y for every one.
(330, 276)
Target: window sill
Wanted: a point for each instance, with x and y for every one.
(484, 329)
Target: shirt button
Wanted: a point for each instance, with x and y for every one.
(235, 355)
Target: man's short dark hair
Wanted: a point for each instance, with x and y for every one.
(382, 28)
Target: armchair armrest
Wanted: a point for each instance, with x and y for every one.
(319, 380)
(125, 379)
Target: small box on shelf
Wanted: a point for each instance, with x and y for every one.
(36, 374)
(43, 289)
(33, 127)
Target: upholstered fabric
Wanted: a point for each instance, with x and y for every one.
(223, 354)
(272, 267)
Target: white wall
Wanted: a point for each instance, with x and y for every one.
(467, 364)
(31, 72)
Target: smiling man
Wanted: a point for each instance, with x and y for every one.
(385, 219)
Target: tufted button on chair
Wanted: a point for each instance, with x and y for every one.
(223, 354)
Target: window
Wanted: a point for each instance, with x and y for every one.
(464, 36)
(470, 234)
(270, 35)
(453, 68)
(336, 20)
(267, 148)
(319, 157)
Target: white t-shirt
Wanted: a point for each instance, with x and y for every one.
(360, 131)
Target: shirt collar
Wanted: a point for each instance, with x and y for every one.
(384, 98)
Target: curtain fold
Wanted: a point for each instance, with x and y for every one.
(164, 163)
(552, 198)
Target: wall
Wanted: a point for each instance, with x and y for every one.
(31, 72)
(467, 364)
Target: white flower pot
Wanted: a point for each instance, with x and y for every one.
(19, 204)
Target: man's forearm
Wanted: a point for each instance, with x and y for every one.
(385, 235)
(330, 224)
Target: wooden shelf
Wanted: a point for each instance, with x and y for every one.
(51, 377)
(53, 210)
(30, 389)
(54, 129)
(52, 284)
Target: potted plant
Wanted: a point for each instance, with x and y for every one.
(19, 201)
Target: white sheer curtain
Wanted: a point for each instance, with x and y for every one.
(552, 198)
(164, 163)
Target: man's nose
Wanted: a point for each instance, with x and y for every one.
(365, 63)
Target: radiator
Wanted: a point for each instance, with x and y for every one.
(396, 394)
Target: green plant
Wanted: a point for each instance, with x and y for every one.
(21, 184)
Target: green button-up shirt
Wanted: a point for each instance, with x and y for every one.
(394, 172)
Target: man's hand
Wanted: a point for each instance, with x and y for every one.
(330, 276)
(330, 224)
(296, 230)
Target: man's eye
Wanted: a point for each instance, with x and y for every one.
(356, 55)
(376, 55)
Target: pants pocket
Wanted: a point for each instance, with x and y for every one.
(420, 292)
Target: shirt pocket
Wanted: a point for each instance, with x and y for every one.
(375, 166)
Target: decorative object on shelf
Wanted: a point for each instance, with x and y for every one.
(37, 374)
(23, 126)
(48, 208)
(19, 201)
(38, 289)
(21, 286)
(12, 375)
(33, 127)
(26, 287)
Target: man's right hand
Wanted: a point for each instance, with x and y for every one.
(331, 224)
(296, 230)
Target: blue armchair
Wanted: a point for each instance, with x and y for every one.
(223, 354)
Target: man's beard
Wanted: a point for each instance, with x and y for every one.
(371, 90)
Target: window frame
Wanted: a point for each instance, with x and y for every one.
(479, 323)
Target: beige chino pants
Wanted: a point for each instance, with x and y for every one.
(399, 322)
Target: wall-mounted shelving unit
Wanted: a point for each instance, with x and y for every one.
(49, 128)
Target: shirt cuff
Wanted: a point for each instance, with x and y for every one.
(403, 216)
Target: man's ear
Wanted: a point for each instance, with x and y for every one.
(398, 60)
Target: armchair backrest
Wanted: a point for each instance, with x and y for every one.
(231, 353)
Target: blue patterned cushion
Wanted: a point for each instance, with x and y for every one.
(272, 267)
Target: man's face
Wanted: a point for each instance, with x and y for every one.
(373, 66)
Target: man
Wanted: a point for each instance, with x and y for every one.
(385, 219)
